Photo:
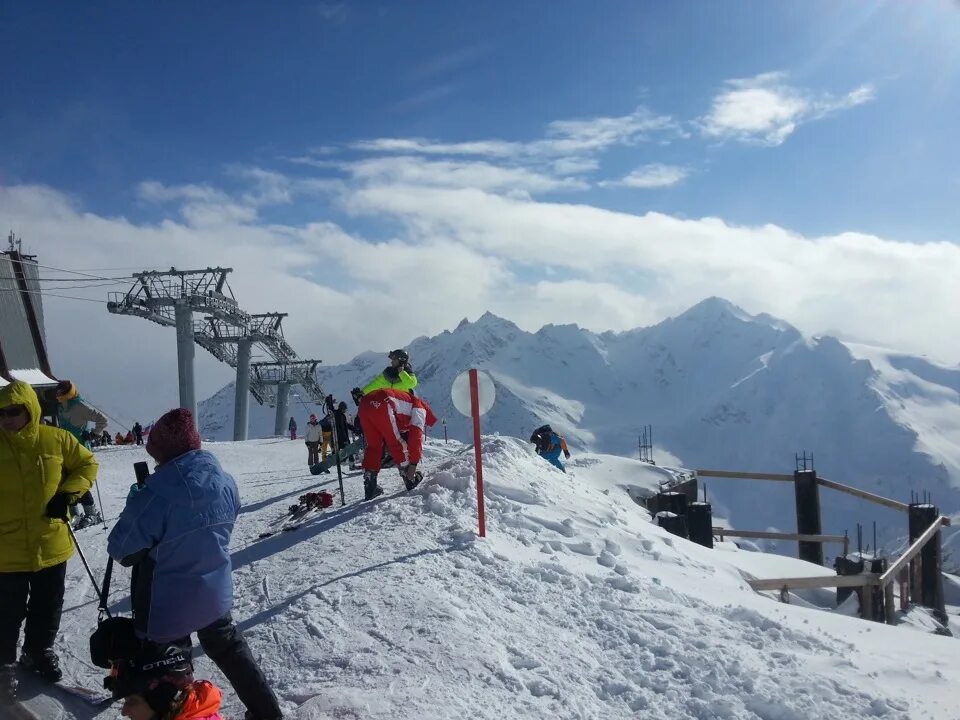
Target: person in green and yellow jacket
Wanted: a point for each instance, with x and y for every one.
(398, 375)
(43, 470)
(73, 415)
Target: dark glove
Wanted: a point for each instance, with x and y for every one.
(391, 374)
(407, 368)
(566, 454)
(57, 507)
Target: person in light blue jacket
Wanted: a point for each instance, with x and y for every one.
(175, 533)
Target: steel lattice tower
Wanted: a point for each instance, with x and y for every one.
(227, 332)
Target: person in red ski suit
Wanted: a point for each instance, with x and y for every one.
(386, 414)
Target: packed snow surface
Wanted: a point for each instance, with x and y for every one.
(574, 606)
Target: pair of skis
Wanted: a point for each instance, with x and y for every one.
(44, 707)
(297, 514)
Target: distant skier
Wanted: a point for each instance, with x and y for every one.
(311, 437)
(292, 427)
(326, 443)
(385, 416)
(357, 395)
(398, 375)
(549, 445)
(342, 426)
(138, 433)
(176, 530)
(73, 414)
(43, 470)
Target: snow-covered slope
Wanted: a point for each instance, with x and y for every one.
(574, 606)
(722, 389)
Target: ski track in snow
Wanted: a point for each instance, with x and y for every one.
(574, 606)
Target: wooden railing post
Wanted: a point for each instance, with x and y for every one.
(889, 608)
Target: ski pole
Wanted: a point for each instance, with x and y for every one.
(103, 600)
(103, 512)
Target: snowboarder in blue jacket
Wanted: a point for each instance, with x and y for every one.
(549, 445)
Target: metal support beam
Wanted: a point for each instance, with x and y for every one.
(241, 404)
(185, 354)
(283, 397)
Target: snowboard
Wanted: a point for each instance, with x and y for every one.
(330, 460)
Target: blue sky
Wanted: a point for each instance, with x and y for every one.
(381, 170)
(104, 95)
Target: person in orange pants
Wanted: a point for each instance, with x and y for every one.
(386, 416)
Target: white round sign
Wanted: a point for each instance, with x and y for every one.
(460, 392)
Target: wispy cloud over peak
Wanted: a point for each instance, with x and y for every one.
(654, 175)
(766, 110)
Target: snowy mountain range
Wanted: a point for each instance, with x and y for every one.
(722, 389)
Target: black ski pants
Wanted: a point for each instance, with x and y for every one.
(313, 452)
(36, 596)
(223, 642)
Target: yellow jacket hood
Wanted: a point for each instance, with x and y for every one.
(21, 393)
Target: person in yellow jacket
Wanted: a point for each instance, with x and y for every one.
(43, 470)
(398, 375)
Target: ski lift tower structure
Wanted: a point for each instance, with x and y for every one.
(170, 298)
(281, 375)
(233, 344)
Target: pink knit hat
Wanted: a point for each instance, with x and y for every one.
(172, 435)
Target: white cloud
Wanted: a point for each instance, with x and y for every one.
(332, 12)
(466, 237)
(561, 138)
(574, 165)
(491, 148)
(654, 175)
(765, 109)
(600, 133)
(407, 170)
(157, 192)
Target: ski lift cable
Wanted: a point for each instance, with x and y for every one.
(46, 295)
(75, 272)
(103, 281)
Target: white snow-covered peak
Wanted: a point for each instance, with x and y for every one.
(487, 321)
(721, 388)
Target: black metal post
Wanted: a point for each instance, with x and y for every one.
(807, 494)
(700, 523)
(927, 583)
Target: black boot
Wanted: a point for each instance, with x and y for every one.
(411, 478)
(8, 683)
(370, 487)
(44, 663)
